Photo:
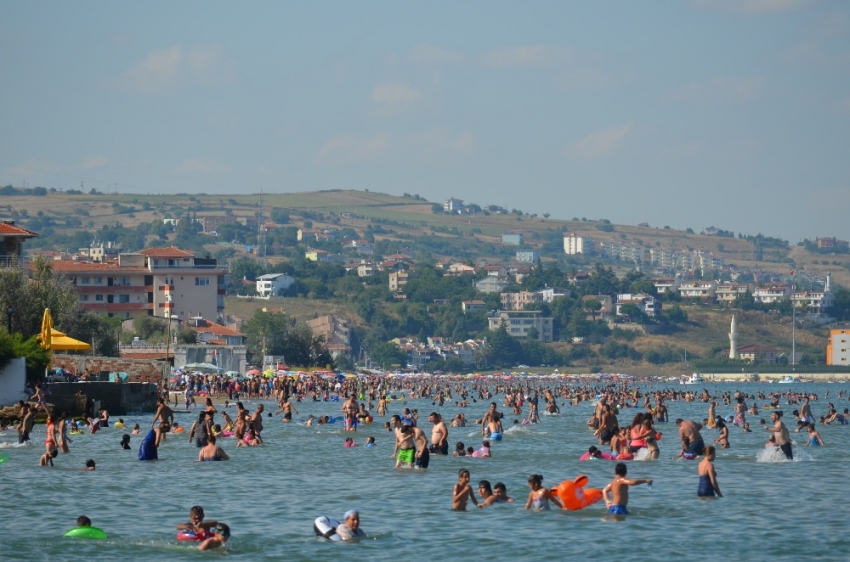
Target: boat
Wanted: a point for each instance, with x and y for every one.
(696, 378)
(787, 380)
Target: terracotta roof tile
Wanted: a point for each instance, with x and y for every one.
(7, 229)
(167, 252)
(211, 327)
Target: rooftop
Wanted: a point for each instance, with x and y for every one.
(171, 252)
(9, 229)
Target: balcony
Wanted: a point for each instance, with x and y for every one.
(11, 261)
(116, 306)
(114, 288)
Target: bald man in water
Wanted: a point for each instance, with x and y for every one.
(689, 434)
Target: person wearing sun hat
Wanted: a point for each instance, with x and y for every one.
(350, 528)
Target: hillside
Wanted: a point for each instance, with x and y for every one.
(405, 217)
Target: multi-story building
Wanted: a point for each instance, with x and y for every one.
(453, 205)
(100, 253)
(774, 292)
(337, 334)
(530, 256)
(398, 279)
(491, 285)
(519, 323)
(838, 348)
(155, 282)
(11, 242)
(603, 313)
(271, 284)
(518, 301)
(729, 292)
(645, 303)
(466, 306)
(832, 244)
(578, 245)
(705, 290)
(666, 284)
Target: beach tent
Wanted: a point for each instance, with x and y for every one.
(61, 342)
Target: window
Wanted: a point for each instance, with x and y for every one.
(98, 297)
(84, 298)
(124, 282)
(123, 298)
(202, 281)
(98, 280)
(85, 280)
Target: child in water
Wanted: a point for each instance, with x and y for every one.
(125, 442)
(459, 450)
(462, 492)
(136, 429)
(370, 441)
(539, 497)
(619, 489)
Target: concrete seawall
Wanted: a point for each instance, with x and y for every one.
(776, 377)
(117, 398)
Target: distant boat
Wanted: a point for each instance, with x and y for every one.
(787, 380)
(696, 378)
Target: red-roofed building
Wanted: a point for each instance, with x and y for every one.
(11, 241)
(215, 334)
(160, 282)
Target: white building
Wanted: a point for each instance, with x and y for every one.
(271, 284)
(530, 256)
(577, 245)
(453, 205)
(491, 285)
(698, 290)
(729, 292)
(519, 323)
(817, 302)
(646, 303)
(772, 293)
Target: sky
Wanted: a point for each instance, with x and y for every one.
(693, 113)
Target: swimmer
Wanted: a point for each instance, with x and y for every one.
(814, 438)
(619, 489)
(708, 485)
(212, 452)
(47, 458)
(539, 497)
(221, 534)
(487, 495)
(483, 452)
(119, 424)
(136, 430)
(459, 451)
(90, 465)
(723, 439)
(780, 432)
(370, 441)
(462, 492)
(350, 529)
(349, 442)
(83, 521)
(125, 442)
(501, 491)
(196, 521)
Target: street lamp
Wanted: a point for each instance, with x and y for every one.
(9, 312)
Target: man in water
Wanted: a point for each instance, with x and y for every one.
(806, 411)
(492, 415)
(439, 435)
(403, 443)
(780, 433)
(423, 456)
(689, 434)
(163, 413)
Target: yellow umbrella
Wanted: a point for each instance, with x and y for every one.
(46, 326)
(61, 342)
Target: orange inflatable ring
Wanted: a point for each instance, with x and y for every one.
(179, 430)
(574, 495)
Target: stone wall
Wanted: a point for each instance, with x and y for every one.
(139, 370)
(117, 398)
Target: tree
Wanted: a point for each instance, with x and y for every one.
(506, 351)
(187, 337)
(437, 209)
(304, 349)
(633, 313)
(266, 331)
(387, 354)
(643, 286)
(592, 306)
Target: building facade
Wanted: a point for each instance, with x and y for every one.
(577, 245)
(271, 284)
(838, 348)
(519, 323)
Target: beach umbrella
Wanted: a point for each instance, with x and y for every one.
(254, 372)
(202, 367)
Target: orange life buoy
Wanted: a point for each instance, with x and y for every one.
(574, 495)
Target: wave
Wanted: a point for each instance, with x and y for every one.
(14, 445)
(775, 454)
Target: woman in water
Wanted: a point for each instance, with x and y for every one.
(539, 497)
(723, 438)
(63, 432)
(708, 486)
(814, 438)
(212, 452)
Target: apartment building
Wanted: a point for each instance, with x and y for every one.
(154, 282)
(271, 284)
(729, 292)
(519, 323)
(838, 348)
(578, 245)
(337, 332)
(11, 242)
(705, 290)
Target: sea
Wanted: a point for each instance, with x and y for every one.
(270, 495)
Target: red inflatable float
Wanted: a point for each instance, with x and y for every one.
(574, 495)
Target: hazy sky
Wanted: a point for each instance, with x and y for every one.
(732, 113)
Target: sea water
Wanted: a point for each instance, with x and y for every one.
(269, 495)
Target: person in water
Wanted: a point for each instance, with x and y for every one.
(462, 492)
(90, 465)
(350, 529)
(539, 497)
(125, 442)
(150, 444)
(196, 523)
(619, 490)
(487, 495)
(47, 458)
(501, 492)
(813, 438)
(212, 452)
(708, 486)
(780, 433)
(221, 534)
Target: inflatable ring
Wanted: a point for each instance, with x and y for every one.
(179, 430)
(326, 527)
(573, 494)
(192, 536)
(86, 533)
